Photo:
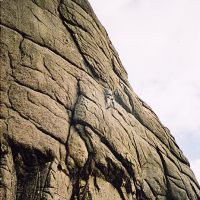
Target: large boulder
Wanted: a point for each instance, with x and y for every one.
(71, 125)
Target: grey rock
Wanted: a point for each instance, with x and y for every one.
(71, 125)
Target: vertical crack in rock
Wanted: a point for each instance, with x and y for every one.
(71, 126)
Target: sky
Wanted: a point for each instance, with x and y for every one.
(158, 42)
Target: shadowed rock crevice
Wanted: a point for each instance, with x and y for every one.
(71, 125)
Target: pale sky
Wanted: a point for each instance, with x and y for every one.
(158, 42)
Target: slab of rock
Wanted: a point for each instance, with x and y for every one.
(71, 125)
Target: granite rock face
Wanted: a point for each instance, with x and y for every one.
(71, 125)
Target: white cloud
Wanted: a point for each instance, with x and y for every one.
(195, 165)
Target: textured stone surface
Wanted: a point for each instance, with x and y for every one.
(71, 125)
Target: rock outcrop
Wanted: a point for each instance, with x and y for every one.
(71, 125)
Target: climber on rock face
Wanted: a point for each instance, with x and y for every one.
(109, 98)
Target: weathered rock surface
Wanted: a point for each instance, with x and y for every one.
(71, 125)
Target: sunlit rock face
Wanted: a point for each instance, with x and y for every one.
(72, 128)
